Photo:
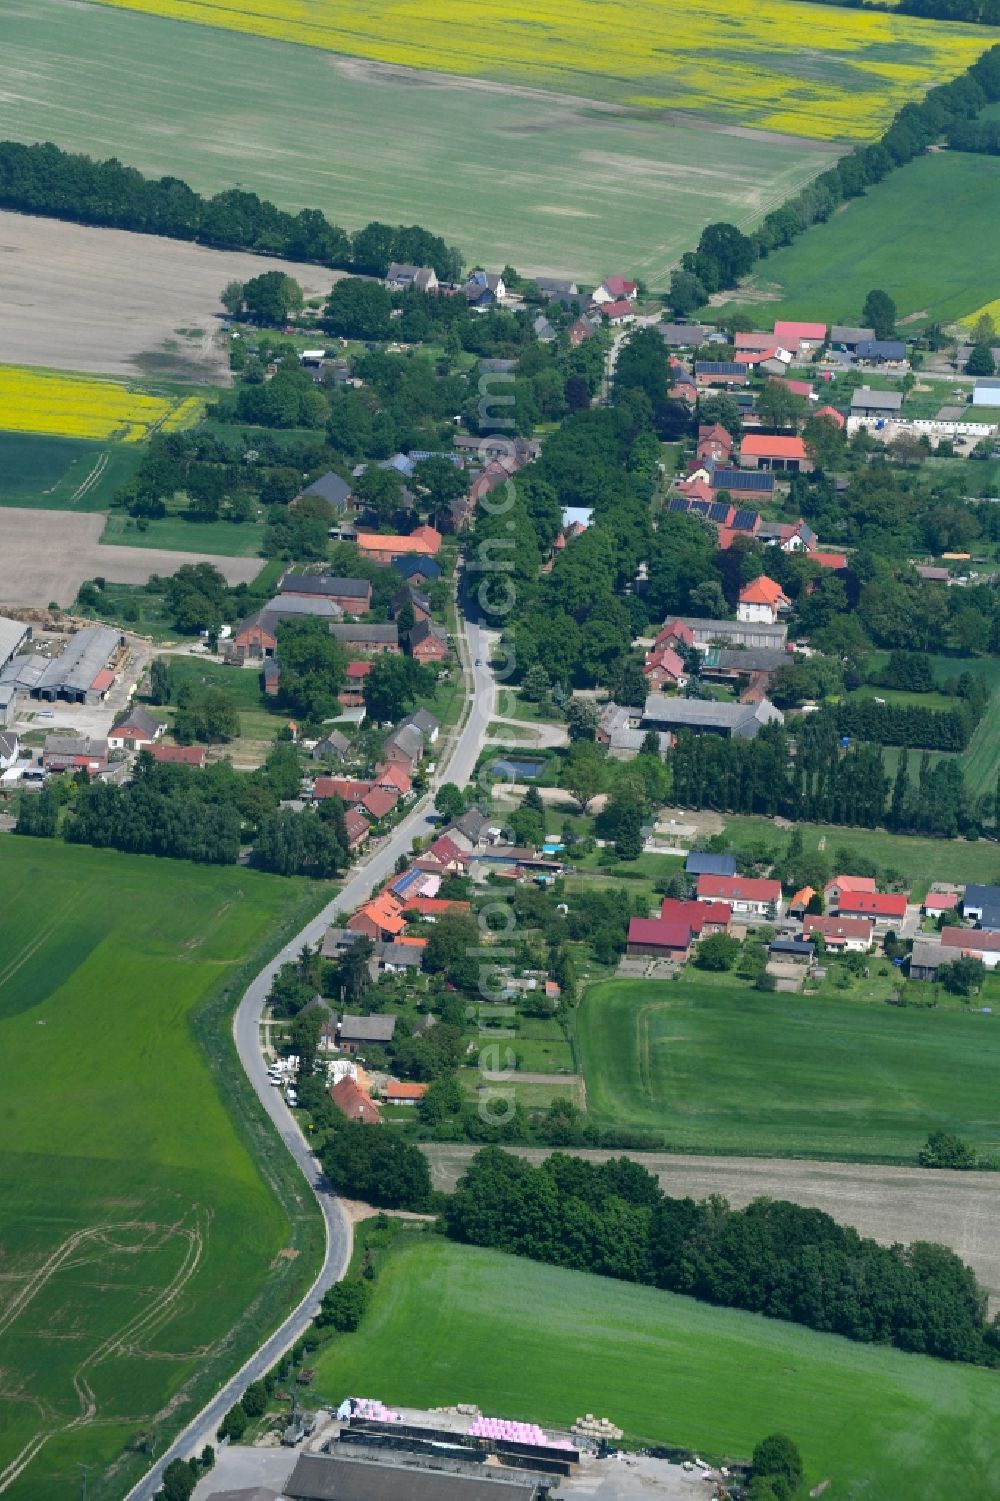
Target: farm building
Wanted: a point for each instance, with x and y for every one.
(880, 352)
(356, 1031)
(929, 955)
(801, 338)
(331, 488)
(937, 902)
(703, 918)
(423, 542)
(719, 373)
(759, 451)
(847, 339)
(976, 942)
(707, 716)
(403, 278)
(13, 635)
(332, 747)
(351, 1100)
(178, 755)
(74, 753)
(655, 938)
(844, 886)
(84, 671)
(702, 632)
(885, 910)
(354, 596)
(869, 403)
(986, 393)
(371, 640)
(700, 863)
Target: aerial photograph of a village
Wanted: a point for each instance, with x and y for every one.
(500, 750)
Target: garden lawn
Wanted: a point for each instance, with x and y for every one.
(127, 1185)
(543, 1344)
(713, 1065)
(211, 107)
(926, 235)
(70, 474)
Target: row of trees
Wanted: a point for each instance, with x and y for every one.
(773, 1257)
(43, 179)
(908, 725)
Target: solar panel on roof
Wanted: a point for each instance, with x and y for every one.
(743, 521)
(718, 511)
(701, 507)
(678, 505)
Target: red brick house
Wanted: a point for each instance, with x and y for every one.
(379, 919)
(358, 829)
(658, 939)
(352, 1101)
(715, 444)
(427, 642)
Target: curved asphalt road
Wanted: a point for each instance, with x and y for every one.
(246, 1031)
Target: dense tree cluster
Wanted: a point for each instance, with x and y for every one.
(908, 724)
(377, 1166)
(43, 179)
(204, 814)
(772, 1257)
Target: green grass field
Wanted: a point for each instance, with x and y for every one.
(714, 1065)
(140, 1243)
(926, 235)
(62, 473)
(918, 861)
(874, 1423)
(229, 539)
(212, 107)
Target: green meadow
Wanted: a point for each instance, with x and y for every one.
(151, 1231)
(540, 1343)
(926, 235)
(713, 1065)
(58, 474)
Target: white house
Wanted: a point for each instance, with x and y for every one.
(761, 602)
(615, 289)
(986, 393)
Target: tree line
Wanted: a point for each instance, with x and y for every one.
(772, 1257)
(909, 725)
(44, 179)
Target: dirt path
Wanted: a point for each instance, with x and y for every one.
(960, 1210)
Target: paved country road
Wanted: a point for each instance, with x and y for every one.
(474, 646)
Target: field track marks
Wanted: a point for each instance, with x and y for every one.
(31, 949)
(91, 479)
(144, 1322)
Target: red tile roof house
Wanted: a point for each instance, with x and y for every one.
(835, 561)
(358, 829)
(847, 934)
(664, 668)
(975, 943)
(432, 907)
(658, 939)
(832, 415)
(886, 910)
(936, 902)
(702, 918)
(379, 803)
(748, 897)
(351, 1100)
(178, 755)
(801, 338)
(137, 730)
(423, 541)
(714, 443)
(394, 778)
(755, 342)
(347, 788)
(758, 451)
(618, 312)
(841, 886)
(615, 288)
(447, 855)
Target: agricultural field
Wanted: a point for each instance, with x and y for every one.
(748, 67)
(143, 1255)
(950, 205)
(713, 1065)
(46, 555)
(870, 1421)
(228, 539)
(62, 473)
(59, 405)
(137, 307)
(583, 185)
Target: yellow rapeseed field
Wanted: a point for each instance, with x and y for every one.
(810, 70)
(81, 406)
(990, 309)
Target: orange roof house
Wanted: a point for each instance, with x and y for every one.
(378, 919)
(837, 418)
(762, 600)
(761, 451)
(423, 541)
(399, 1093)
(794, 335)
